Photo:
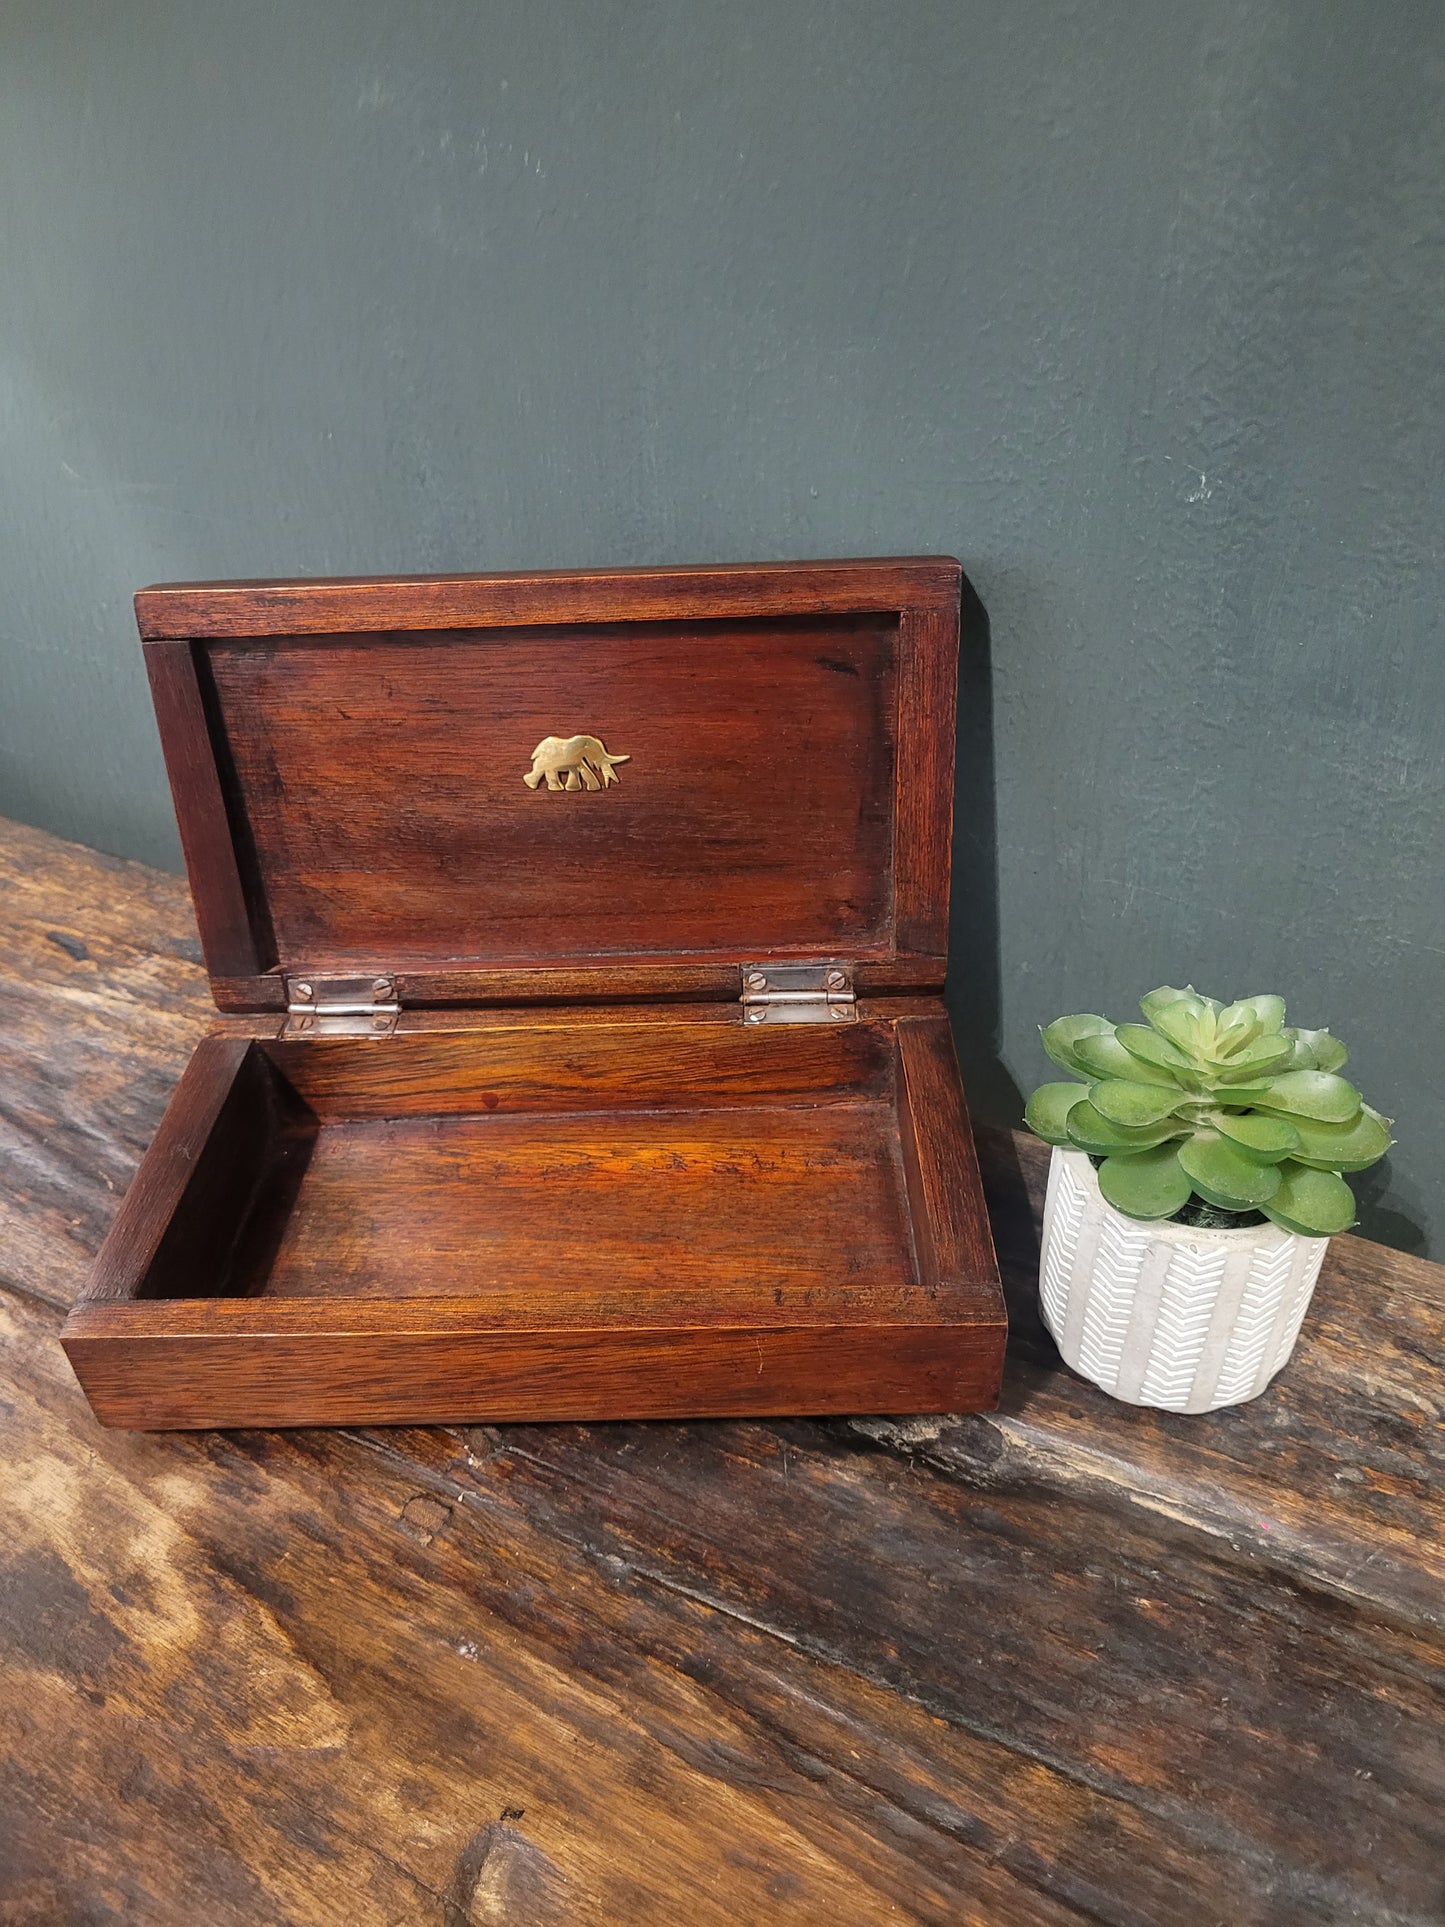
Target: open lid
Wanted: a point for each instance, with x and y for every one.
(622, 783)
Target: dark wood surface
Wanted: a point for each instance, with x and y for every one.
(1063, 1662)
(347, 761)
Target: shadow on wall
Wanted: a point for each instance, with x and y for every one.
(1390, 1211)
(973, 991)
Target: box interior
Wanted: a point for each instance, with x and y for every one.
(375, 791)
(553, 1160)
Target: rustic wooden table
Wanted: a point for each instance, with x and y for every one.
(1064, 1662)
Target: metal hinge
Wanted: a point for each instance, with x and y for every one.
(798, 993)
(349, 1006)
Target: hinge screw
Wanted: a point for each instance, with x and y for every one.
(756, 980)
(381, 1021)
(382, 986)
(839, 1010)
(837, 980)
(304, 1021)
(303, 990)
(755, 1016)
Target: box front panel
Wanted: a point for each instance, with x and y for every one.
(348, 1378)
(714, 789)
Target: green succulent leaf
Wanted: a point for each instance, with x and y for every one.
(1256, 1060)
(1232, 1037)
(1220, 1099)
(1316, 1204)
(1092, 1132)
(1104, 1056)
(1251, 1017)
(1188, 1022)
(1150, 1048)
(1224, 1174)
(1240, 1096)
(1316, 1050)
(1265, 1139)
(1317, 1094)
(1163, 997)
(1061, 1038)
(1167, 996)
(1125, 1102)
(1145, 1184)
(1046, 1112)
(1343, 1147)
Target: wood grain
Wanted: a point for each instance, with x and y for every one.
(936, 1144)
(923, 819)
(594, 980)
(351, 794)
(322, 1376)
(652, 1215)
(393, 1207)
(1063, 1662)
(381, 779)
(229, 902)
(186, 609)
(635, 1059)
(150, 1205)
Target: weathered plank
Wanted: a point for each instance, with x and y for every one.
(300, 1678)
(1064, 1662)
(104, 1001)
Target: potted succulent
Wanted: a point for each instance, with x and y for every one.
(1194, 1186)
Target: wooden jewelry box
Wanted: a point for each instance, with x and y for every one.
(579, 940)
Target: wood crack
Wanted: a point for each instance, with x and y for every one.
(1214, 1838)
(42, 1301)
(1328, 1566)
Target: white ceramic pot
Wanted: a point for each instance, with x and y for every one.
(1165, 1314)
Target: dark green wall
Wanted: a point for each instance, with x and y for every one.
(1134, 306)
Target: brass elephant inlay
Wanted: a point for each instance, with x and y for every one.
(572, 763)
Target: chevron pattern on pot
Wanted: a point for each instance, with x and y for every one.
(1256, 1320)
(1123, 1244)
(1186, 1306)
(1062, 1245)
(1185, 1318)
(1304, 1289)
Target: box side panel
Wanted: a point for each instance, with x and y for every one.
(951, 1228)
(168, 1171)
